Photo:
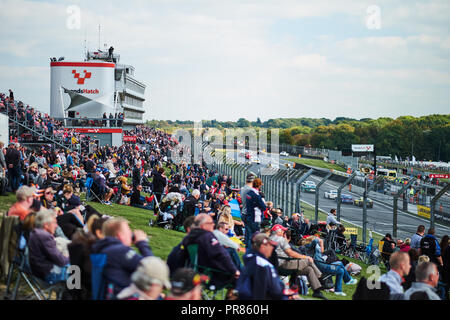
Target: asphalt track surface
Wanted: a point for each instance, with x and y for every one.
(379, 218)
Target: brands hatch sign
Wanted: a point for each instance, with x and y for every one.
(362, 147)
(80, 81)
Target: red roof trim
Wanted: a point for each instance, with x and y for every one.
(83, 64)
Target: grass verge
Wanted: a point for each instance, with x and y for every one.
(317, 163)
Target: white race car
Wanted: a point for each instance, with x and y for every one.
(284, 154)
(331, 194)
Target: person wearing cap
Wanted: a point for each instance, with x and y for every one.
(48, 198)
(388, 247)
(186, 285)
(259, 279)
(148, 281)
(255, 207)
(302, 263)
(122, 260)
(104, 191)
(33, 173)
(25, 197)
(72, 219)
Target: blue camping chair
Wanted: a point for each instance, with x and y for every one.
(90, 194)
(101, 289)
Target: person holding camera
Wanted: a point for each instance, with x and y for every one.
(122, 259)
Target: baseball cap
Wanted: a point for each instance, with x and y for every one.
(184, 280)
(156, 269)
(278, 227)
(250, 177)
(262, 238)
(73, 202)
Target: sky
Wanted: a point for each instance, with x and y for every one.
(225, 60)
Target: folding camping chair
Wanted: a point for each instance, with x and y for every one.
(90, 194)
(211, 291)
(101, 289)
(41, 290)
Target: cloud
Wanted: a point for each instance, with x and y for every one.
(226, 60)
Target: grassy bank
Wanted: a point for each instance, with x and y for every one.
(317, 163)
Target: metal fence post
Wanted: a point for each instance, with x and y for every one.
(339, 200)
(395, 206)
(316, 209)
(293, 183)
(299, 189)
(365, 193)
(433, 204)
(270, 183)
(276, 188)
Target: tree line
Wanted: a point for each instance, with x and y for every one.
(426, 137)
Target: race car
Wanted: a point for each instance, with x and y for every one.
(308, 186)
(331, 194)
(284, 154)
(359, 202)
(345, 198)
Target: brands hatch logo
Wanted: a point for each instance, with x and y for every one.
(80, 81)
(76, 75)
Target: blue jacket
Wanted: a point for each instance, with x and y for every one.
(173, 259)
(121, 260)
(259, 279)
(254, 201)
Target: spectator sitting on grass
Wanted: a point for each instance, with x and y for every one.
(331, 267)
(125, 188)
(137, 200)
(303, 264)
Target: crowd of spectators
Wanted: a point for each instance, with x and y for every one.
(60, 230)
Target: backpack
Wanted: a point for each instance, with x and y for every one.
(301, 283)
(353, 268)
(428, 246)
